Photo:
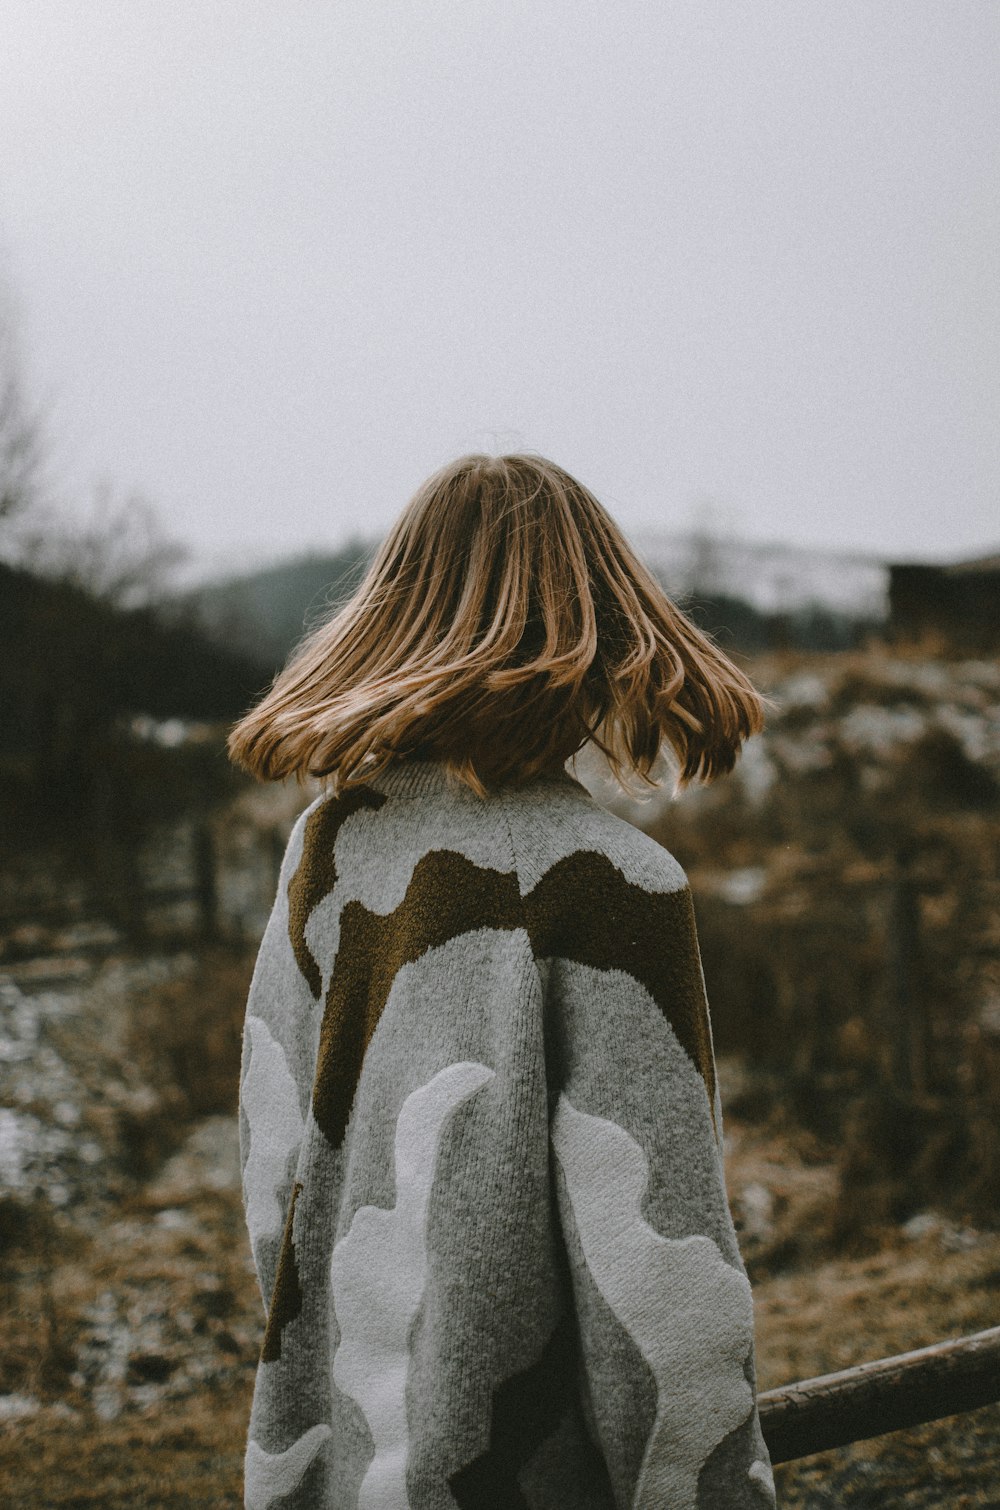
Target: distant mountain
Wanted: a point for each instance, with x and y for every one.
(772, 578)
(737, 587)
(265, 613)
(79, 678)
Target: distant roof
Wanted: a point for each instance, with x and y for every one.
(976, 564)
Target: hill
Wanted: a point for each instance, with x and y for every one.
(265, 613)
(78, 677)
(751, 597)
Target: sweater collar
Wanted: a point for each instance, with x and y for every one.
(410, 776)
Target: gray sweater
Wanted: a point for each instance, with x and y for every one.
(481, 1140)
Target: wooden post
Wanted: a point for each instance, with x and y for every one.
(205, 883)
(908, 1049)
(889, 1394)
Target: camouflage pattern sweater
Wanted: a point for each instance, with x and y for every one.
(481, 1142)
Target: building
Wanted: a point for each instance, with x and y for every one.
(949, 607)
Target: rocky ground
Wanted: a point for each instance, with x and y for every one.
(816, 1313)
(132, 1319)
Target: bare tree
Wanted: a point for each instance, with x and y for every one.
(704, 570)
(117, 553)
(21, 438)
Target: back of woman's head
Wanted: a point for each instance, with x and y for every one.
(503, 623)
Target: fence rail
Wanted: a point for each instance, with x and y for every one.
(888, 1394)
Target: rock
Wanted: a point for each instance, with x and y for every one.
(921, 1225)
(18, 1407)
(755, 1205)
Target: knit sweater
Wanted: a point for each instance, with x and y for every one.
(481, 1141)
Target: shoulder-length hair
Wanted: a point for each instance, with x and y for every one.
(503, 622)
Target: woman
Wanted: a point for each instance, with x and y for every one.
(480, 1125)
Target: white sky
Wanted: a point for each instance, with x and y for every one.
(276, 262)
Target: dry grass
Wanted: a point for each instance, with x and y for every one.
(186, 1032)
(188, 1455)
(829, 1313)
(951, 1463)
(814, 1313)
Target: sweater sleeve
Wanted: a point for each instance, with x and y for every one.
(274, 1076)
(663, 1304)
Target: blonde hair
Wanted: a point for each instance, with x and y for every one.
(503, 622)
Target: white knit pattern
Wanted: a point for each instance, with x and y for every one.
(377, 1275)
(687, 1310)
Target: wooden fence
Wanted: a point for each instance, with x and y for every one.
(885, 1395)
(189, 880)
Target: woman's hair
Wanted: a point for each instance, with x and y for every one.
(503, 622)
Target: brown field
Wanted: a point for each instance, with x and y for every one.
(167, 1286)
(847, 890)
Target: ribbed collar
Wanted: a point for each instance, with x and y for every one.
(412, 777)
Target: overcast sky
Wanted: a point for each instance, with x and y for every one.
(276, 262)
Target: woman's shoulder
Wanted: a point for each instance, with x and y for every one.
(570, 832)
(554, 834)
